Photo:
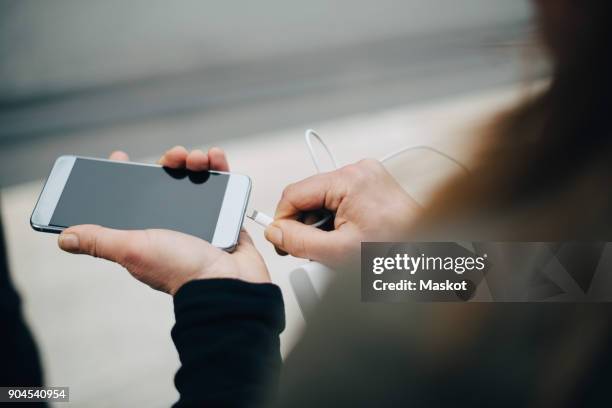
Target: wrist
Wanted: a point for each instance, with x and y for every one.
(255, 275)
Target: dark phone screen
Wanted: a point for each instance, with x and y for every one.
(127, 196)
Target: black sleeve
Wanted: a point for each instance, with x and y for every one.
(227, 337)
(20, 361)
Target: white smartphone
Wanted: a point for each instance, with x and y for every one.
(124, 195)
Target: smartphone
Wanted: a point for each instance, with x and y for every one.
(124, 195)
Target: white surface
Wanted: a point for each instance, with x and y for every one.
(107, 336)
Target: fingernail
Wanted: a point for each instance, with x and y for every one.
(274, 235)
(69, 242)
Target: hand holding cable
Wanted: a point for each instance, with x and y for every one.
(368, 204)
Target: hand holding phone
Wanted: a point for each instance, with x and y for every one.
(205, 203)
(164, 259)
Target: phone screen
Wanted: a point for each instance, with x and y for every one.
(127, 196)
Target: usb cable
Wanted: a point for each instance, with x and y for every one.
(264, 220)
(311, 275)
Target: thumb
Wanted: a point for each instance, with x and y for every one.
(303, 241)
(114, 245)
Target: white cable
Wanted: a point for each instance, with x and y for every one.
(423, 147)
(313, 155)
(261, 218)
(300, 279)
(265, 220)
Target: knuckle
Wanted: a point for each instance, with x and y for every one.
(137, 252)
(370, 168)
(351, 169)
(355, 172)
(91, 247)
(132, 253)
(288, 191)
(370, 164)
(90, 243)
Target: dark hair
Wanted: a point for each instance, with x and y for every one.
(544, 173)
(545, 168)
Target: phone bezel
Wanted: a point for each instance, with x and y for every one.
(228, 225)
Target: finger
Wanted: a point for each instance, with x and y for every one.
(174, 158)
(119, 155)
(303, 241)
(245, 243)
(115, 245)
(217, 159)
(245, 238)
(197, 160)
(312, 193)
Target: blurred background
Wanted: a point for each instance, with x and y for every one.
(90, 77)
(67, 67)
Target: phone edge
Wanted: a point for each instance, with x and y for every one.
(56, 168)
(245, 203)
(57, 230)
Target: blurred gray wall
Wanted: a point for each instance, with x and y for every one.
(54, 46)
(71, 68)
